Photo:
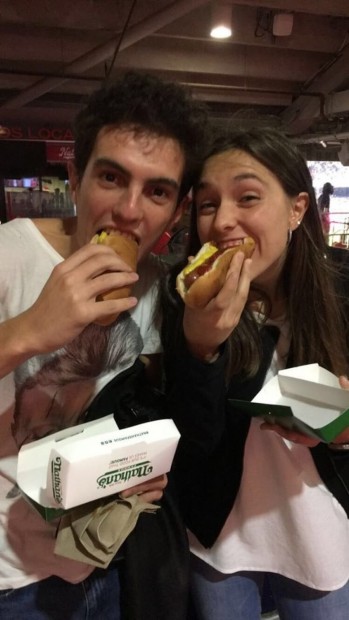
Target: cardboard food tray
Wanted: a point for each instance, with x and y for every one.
(307, 399)
(92, 461)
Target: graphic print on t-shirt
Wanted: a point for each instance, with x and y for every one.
(54, 390)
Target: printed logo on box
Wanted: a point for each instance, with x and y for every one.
(126, 473)
(56, 467)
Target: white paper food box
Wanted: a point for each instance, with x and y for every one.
(94, 460)
(306, 398)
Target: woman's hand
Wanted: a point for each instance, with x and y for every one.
(207, 328)
(150, 491)
(343, 437)
(295, 436)
(304, 440)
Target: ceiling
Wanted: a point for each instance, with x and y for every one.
(53, 53)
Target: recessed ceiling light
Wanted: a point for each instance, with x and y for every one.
(221, 21)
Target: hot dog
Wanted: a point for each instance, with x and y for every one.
(204, 276)
(127, 249)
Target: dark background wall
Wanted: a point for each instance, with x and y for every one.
(27, 159)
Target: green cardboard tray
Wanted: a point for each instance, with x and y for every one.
(283, 415)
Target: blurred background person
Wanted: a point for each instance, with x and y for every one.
(324, 207)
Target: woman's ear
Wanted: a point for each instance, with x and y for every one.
(298, 209)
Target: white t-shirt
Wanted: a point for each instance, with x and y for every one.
(284, 519)
(51, 391)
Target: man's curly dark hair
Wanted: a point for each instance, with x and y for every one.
(144, 103)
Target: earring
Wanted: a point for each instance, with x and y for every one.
(289, 236)
(299, 222)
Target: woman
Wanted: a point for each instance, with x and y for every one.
(259, 500)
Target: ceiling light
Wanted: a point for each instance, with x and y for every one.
(282, 24)
(221, 21)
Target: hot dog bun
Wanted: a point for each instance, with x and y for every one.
(127, 249)
(207, 285)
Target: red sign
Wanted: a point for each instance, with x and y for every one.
(58, 152)
(8, 132)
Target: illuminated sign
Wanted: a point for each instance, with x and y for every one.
(44, 134)
(57, 152)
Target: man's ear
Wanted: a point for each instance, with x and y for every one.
(180, 209)
(73, 179)
(298, 209)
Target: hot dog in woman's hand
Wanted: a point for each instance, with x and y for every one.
(205, 274)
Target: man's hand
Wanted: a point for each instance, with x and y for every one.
(66, 305)
(150, 491)
(344, 382)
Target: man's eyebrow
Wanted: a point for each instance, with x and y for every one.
(110, 163)
(164, 181)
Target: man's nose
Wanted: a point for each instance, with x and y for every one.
(129, 204)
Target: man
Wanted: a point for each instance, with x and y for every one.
(136, 146)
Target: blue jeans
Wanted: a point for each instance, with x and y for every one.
(238, 596)
(95, 598)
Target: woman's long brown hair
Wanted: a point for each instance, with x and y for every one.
(316, 308)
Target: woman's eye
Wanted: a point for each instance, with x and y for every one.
(206, 206)
(248, 198)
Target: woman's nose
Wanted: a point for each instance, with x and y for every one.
(226, 215)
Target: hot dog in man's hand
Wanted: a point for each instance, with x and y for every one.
(127, 249)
